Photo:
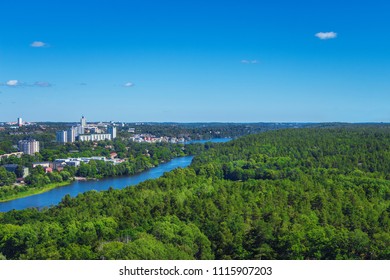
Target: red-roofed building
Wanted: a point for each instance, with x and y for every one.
(113, 155)
(48, 170)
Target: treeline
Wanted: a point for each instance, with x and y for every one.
(45, 133)
(198, 131)
(124, 149)
(319, 193)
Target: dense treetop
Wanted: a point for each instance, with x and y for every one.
(314, 193)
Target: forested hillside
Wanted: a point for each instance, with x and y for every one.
(315, 193)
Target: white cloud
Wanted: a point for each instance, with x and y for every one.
(12, 83)
(38, 44)
(128, 84)
(326, 35)
(17, 83)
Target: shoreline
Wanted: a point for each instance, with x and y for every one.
(51, 186)
(83, 179)
(35, 191)
(46, 188)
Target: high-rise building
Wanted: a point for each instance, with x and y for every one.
(83, 121)
(29, 147)
(112, 130)
(80, 130)
(20, 122)
(62, 136)
(71, 134)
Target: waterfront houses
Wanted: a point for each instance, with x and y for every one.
(59, 164)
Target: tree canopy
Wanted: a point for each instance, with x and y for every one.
(315, 193)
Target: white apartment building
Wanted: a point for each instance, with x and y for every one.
(71, 134)
(95, 137)
(29, 147)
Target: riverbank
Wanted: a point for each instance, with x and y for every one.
(34, 191)
(54, 196)
(83, 179)
(46, 188)
(40, 190)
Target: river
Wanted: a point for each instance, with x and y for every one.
(54, 196)
(213, 140)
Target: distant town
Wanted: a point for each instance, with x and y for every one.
(82, 132)
(85, 132)
(56, 146)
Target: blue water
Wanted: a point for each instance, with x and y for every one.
(214, 140)
(54, 196)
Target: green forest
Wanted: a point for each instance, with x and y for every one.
(306, 193)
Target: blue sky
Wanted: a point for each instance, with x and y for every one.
(195, 61)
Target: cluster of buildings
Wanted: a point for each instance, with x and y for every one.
(26, 147)
(147, 138)
(79, 133)
(59, 164)
(21, 171)
(15, 125)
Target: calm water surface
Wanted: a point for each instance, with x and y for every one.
(214, 140)
(54, 196)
